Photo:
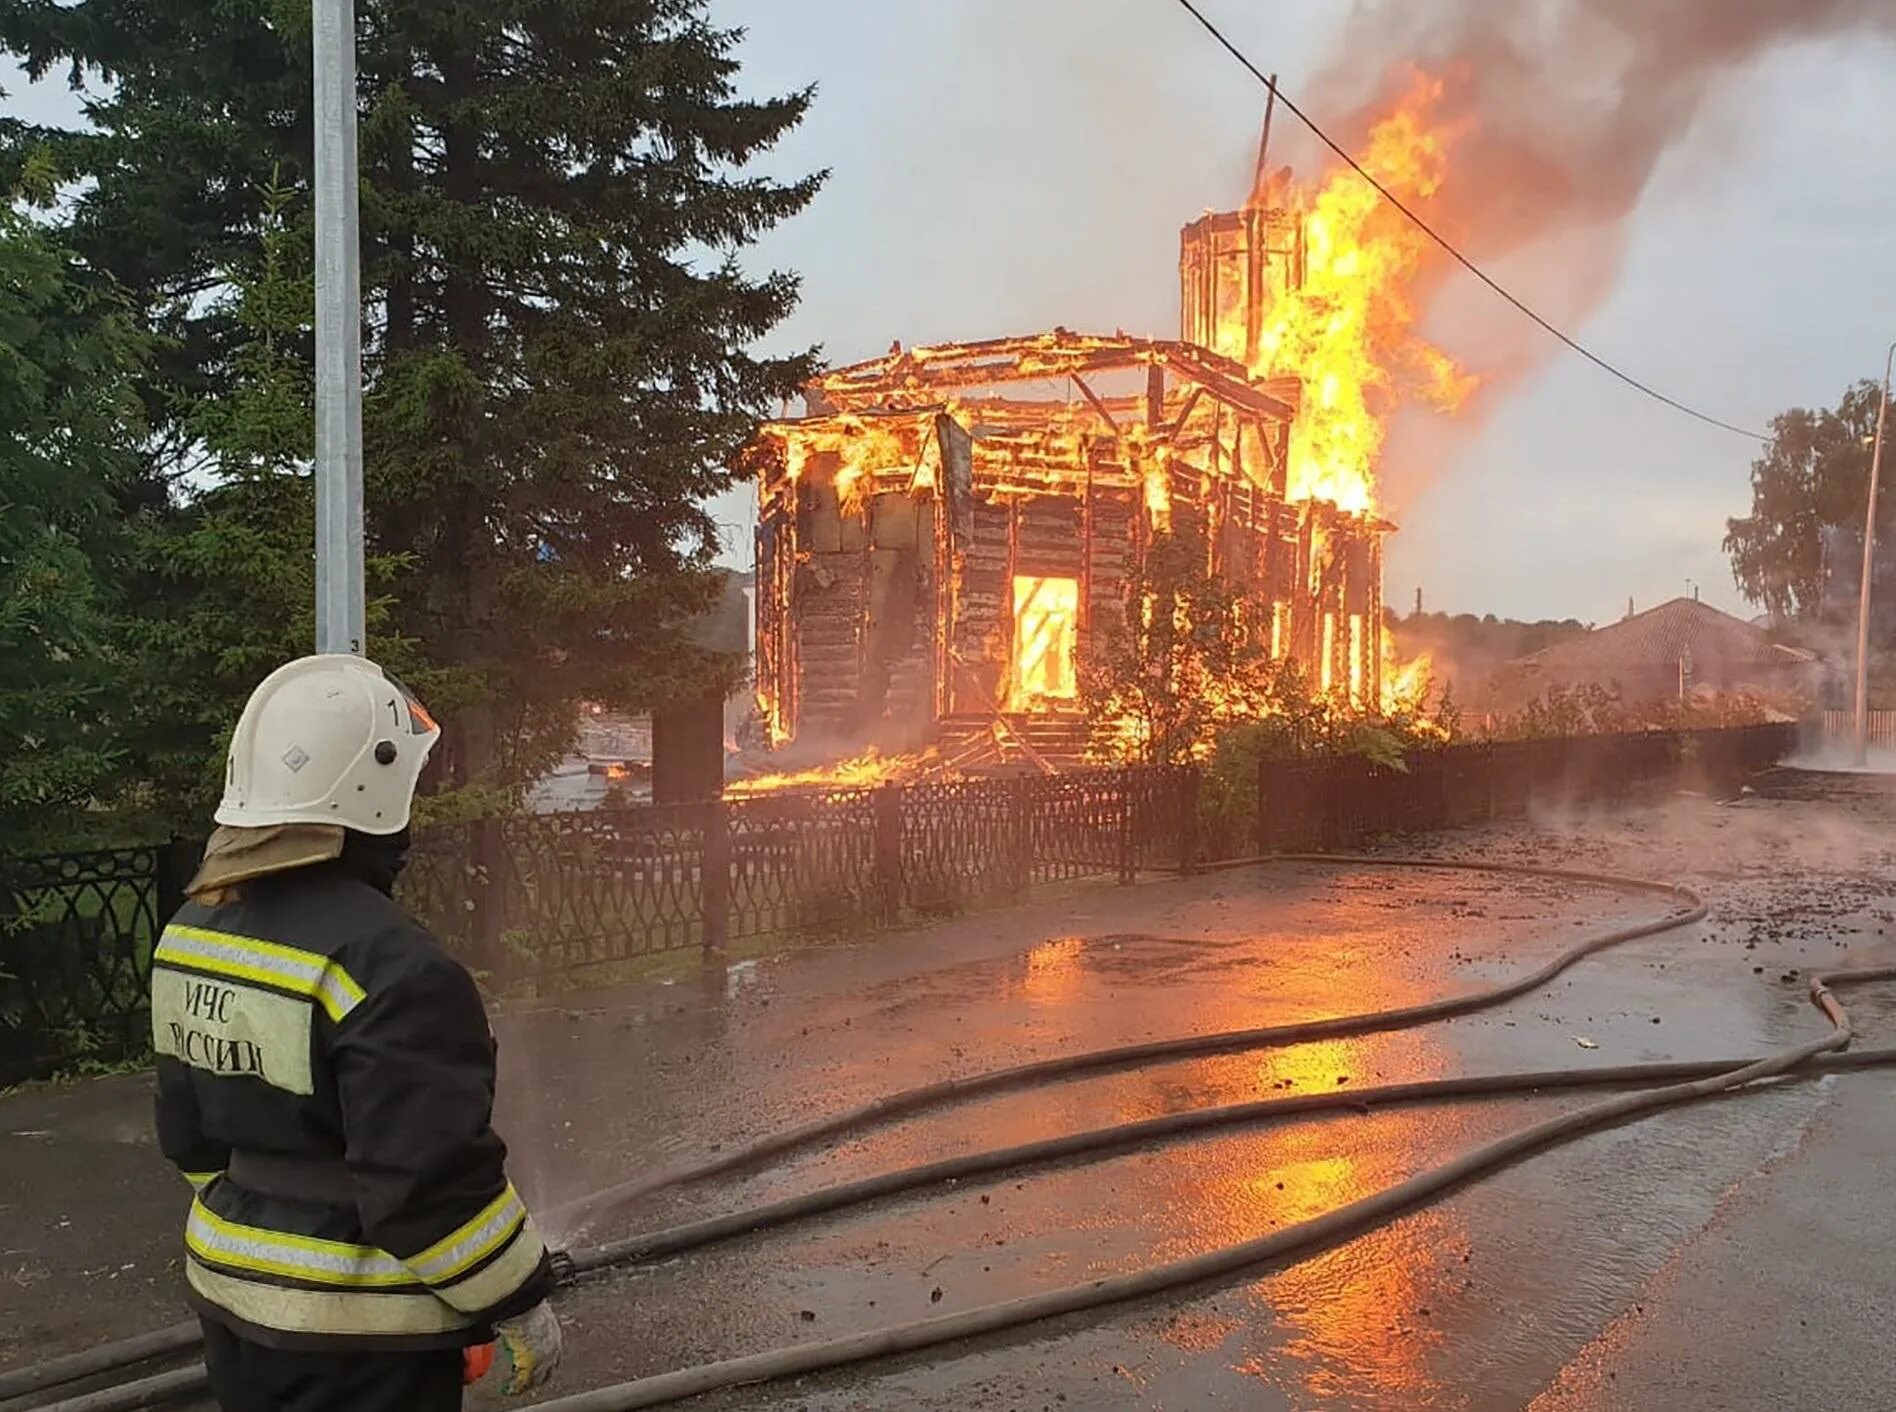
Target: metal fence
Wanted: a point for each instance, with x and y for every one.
(1335, 803)
(534, 895)
(541, 895)
(76, 936)
(588, 893)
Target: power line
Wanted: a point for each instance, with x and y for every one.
(1443, 241)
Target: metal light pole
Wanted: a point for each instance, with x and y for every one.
(1869, 559)
(339, 594)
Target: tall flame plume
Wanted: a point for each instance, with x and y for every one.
(1348, 328)
(1348, 331)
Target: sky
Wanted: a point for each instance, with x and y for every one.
(1002, 166)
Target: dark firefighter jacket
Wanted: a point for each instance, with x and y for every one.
(311, 1033)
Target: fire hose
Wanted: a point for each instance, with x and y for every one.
(1682, 1083)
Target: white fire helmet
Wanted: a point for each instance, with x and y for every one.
(331, 739)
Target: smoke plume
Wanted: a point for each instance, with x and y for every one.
(1564, 108)
(1559, 112)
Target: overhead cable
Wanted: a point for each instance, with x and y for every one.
(1443, 241)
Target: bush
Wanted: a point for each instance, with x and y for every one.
(1301, 723)
(1590, 708)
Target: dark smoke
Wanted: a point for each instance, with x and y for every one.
(1570, 104)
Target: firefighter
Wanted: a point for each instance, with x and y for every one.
(326, 1082)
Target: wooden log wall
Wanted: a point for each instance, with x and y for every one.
(882, 620)
(1047, 537)
(983, 608)
(1109, 560)
(898, 698)
(1085, 534)
(864, 622)
(829, 615)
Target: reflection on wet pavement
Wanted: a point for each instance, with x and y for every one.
(1473, 1303)
(1479, 1302)
(1354, 1318)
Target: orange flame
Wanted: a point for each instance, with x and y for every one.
(1046, 643)
(864, 771)
(1348, 330)
(1406, 686)
(861, 447)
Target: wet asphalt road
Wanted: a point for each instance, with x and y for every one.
(1662, 1264)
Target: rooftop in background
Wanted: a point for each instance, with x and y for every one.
(1684, 628)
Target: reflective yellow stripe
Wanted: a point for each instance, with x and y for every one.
(473, 1242)
(337, 992)
(210, 1237)
(515, 1266)
(250, 958)
(200, 1180)
(314, 1311)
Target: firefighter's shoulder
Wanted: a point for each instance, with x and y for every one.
(390, 954)
(374, 949)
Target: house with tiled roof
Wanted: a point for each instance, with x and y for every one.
(1671, 652)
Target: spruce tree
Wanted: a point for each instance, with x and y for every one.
(69, 426)
(557, 328)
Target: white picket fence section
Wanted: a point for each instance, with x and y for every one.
(1841, 725)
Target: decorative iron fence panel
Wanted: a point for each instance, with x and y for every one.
(612, 885)
(963, 842)
(444, 886)
(800, 863)
(1080, 825)
(1163, 827)
(76, 937)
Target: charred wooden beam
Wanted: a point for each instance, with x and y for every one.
(1177, 425)
(1093, 399)
(996, 361)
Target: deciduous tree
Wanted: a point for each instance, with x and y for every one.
(1809, 491)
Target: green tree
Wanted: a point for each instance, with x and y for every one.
(1180, 659)
(1184, 678)
(69, 428)
(224, 583)
(556, 322)
(1811, 484)
(1186, 675)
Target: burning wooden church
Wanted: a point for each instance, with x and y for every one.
(948, 533)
